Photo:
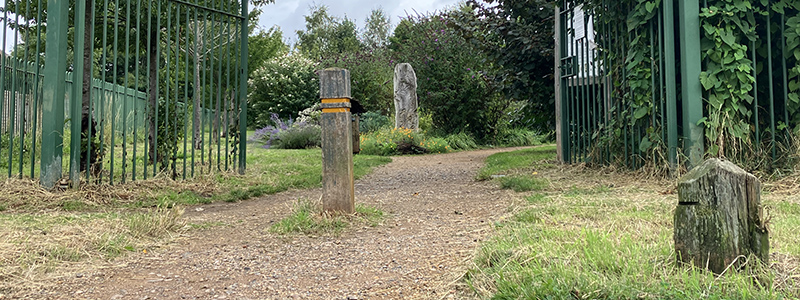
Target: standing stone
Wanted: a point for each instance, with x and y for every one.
(405, 97)
(719, 216)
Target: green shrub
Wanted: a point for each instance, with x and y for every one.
(288, 134)
(285, 85)
(299, 136)
(372, 121)
(425, 121)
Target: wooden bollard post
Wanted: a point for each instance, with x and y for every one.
(338, 193)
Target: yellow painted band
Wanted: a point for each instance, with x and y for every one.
(334, 110)
(336, 100)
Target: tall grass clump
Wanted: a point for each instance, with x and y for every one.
(518, 137)
(156, 223)
(308, 218)
(461, 141)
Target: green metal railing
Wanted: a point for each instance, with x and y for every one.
(160, 91)
(630, 89)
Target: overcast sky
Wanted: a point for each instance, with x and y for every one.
(289, 14)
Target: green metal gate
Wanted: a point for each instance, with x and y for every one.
(122, 89)
(660, 83)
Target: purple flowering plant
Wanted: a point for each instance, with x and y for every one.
(270, 133)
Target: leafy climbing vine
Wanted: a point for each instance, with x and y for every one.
(728, 27)
(743, 101)
(792, 33)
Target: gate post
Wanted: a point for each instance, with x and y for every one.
(692, 94)
(557, 59)
(338, 192)
(54, 92)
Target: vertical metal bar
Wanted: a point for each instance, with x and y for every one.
(229, 89)
(77, 94)
(196, 86)
(174, 121)
(784, 57)
(157, 91)
(575, 91)
(755, 93)
(606, 84)
(588, 85)
(148, 115)
(690, 83)
(218, 114)
(136, 91)
(211, 92)
(167, 80)
(54, 91)
(204, 115)
(186, 93)
(560, 129)
(623, 41)
(565, 86)
(671, 83)
(36, 95)
(771, 85)
(126, 98)
(3, 65)
(89, 133)
(104, 86)
(234, 153)
(114, 94)
(24, 91)
(596, 95)
(653, 94)
(15, 74)
(661, 79)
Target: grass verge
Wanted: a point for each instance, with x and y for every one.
(592, 234)
(307, 218)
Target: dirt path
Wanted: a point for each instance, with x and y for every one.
(437, 216)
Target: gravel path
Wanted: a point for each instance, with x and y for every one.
(437, 215)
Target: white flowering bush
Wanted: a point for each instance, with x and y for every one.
(285, 85)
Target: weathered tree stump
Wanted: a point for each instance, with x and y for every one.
(719, 216)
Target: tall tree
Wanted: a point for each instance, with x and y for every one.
(452, 76)
(517, 37)
(326, 35)
(377, 29)
(263, 46)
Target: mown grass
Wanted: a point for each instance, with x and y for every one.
(307, 218)
(597, 235)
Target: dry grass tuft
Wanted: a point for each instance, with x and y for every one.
(35, 248)
(26, 195)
